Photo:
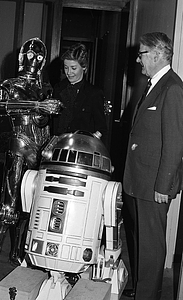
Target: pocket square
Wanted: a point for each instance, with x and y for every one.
(152, 108)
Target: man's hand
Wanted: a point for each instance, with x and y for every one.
(160, 198)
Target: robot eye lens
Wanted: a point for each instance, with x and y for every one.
(30, 55)
(40, 57)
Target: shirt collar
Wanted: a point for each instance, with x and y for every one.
(76, 85)
(160, 74)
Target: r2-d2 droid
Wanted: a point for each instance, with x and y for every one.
(75, 210)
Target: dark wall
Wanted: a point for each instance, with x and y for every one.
(148, 16)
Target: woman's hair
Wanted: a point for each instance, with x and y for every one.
(77, 52)
(159, 41)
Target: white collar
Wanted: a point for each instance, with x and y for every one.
(158, 76)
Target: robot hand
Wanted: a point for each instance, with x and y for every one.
(50, 106)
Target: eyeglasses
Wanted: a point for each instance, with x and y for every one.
(139, 55)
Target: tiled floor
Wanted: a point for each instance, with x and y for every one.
(169, 282)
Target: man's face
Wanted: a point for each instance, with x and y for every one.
(73, 71)
(146, 59)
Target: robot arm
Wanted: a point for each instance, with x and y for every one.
(4, 96)
(12, 105)
(48, 106)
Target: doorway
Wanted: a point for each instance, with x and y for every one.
(104, 33)
(102, 27)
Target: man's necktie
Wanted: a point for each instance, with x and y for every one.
(142, 98)
(144, 93)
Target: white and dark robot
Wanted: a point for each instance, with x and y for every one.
(75, 212)
(25, 102)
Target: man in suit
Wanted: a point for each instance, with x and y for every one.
(83, 102)
(154, 164)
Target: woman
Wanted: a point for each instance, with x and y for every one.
(83, 102)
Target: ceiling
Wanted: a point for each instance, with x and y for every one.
(111, 5)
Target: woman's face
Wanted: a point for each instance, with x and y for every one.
(73, 71)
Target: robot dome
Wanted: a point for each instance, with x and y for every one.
(68, 202)
(81, 150)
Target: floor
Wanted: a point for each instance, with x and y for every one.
(170, 280)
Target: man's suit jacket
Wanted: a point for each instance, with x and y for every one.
(155, 151)
(88, 110)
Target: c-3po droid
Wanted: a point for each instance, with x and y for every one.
(73, 201)
(25, 103)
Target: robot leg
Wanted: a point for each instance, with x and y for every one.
(18, 234)
(10, 213)
(3, 230)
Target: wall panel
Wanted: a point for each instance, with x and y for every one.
(7, 19)
(32, 20)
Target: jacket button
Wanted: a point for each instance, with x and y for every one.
(133, 147)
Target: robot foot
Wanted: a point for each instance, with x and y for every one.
(14, 259)
(3, 230)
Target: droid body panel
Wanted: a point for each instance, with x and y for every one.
(67, 219)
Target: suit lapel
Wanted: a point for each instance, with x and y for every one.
(148, 102)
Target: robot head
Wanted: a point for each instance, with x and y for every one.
(32, 57)
(80, 150)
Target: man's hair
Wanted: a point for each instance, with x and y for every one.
(78, 53)
(158, 41)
